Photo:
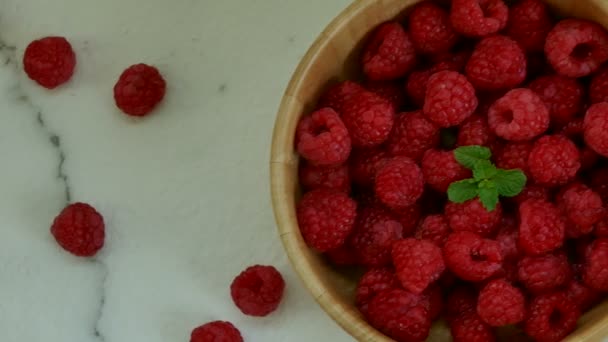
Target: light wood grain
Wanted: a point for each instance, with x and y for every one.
(334, 56)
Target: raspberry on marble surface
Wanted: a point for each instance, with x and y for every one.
(216, 331)
(139, 89)
(258, 290)
(79, 229)
(49, 61)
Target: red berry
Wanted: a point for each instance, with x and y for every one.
(563, 97)
(431, 29)
(418, 263)
(576, 47)
(415, 87)
(514, 156)
(408, 217)
(324, 177)
(541, 227)
(507, 237)
(374, 281)
(322, 138)
(79, 229)
(582, 295)
(450, 98)
(435, 229)
(599, 182)
(551, 317)
(461, 300)
(475, 131)
(258, 290)
(532, 191)
(582, 208)
(595, 272)
(399, 183)
(343, 256)
(369, 119)
(529, 23)
(472, 216)
(400, 315)
(49, 61)
(541, 274)
(326, 218)
(478, 18)
(554, 160)
(497, 62)
(501, 303)
(216, 331)
(139, 89)
(434, 297)
(338, 94)
(601, 228)
(441, 169)
(470, 328)
(519, 115)
(472, 257)
(374, 235)
(595, 126)
(598, 89)
(412, 135)
(364, 163)
(389, 54)
(390, 91)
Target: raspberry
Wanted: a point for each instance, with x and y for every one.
(408, 217)
(431, 29)
(454, 60)
(541, 274)
(390, 91)
(470, 328)
(434, 297)
(326, 218)
(599, 182)
(497, 62)
(461, 300)
(514, 156)
(434, 228)
(415, 87)
(49, 61)
(399, 183)
(471, 216)
(440, 169)
(478, 18)
(501, 303)
(343, 256)
(554, 160)
(507, 238)
(369, 119)
(563, 97)
(532, 191)
(324, 177)
(400, 315)
(541, 227)
(374, 235)
(582, 208)
(418, 263)
(338, 94)
(519, 115)
(472, 257)
(598, 89)
(595, 125)
(475, 131)
(364, 163)
(588, 158)
(583, 296)
(529, 23)
(79, 229)
(450, 99)
(216, 331)
(412, 135)
(576, 47)
(551, 317)
(595, 272)
(139, 89)
(389, 54)
(258, 290)
(322, 138)
(374, 281)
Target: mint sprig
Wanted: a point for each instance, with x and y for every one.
(488, 182)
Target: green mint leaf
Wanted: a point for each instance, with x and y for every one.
(462, 191)
(484, 169)
(488, 194)
(468, 156)
(509, 183)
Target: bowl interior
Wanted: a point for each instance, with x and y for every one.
(335, 56)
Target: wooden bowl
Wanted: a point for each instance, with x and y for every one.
(335, 56)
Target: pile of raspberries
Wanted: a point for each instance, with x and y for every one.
(378, 164)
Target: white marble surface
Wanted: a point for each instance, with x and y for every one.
(184, 192)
